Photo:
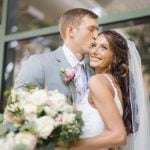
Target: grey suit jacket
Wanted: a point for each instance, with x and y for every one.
(44, 71)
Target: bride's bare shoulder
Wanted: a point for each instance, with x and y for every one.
(98, 80)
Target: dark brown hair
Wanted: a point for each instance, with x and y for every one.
(119, 69)
(73, 17)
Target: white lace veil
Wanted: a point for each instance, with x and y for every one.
(139, 99)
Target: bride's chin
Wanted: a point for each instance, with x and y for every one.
(92, 65)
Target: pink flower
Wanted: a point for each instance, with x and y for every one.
(68, 74)
(65, 118)
(59, 119)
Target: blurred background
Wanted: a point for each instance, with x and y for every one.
(30, 26)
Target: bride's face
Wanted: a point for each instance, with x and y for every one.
(101, 56)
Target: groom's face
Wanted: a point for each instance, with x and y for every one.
(86, 34)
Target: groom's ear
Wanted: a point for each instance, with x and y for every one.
(70, 30)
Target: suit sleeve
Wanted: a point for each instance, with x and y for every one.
(32, 73)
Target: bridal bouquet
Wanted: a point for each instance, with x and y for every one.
(38, 119)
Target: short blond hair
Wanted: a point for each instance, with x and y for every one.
(73, 17)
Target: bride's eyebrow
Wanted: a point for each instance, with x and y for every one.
(105, 45)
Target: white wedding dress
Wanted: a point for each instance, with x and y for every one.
(93, 122)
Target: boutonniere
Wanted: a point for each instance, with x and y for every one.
(68, 74)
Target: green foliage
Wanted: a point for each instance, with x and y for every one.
(69, 133)
(21, 147)
(1, 118)
(28, 127)
(11, 127)
(7, 92)
(19, 112)
(3, 129)
(47, 146)
(40, 111)
(79, 117)
(30, 87)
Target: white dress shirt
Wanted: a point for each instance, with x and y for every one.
(80, 75)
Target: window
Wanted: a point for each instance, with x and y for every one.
(1, 4)
(28, 15)
(19, 51)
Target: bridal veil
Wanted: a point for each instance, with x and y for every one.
(139, 100)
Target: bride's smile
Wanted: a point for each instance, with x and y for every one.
(101, 55)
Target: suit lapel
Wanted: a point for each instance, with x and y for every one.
(63, 63)
(89, 70)
(61, 59)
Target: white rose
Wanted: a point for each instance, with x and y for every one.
(57, 100)
(50, 112)
(30, 111)
(38, 97)
(67, 108)
(30, 117)
(29, 108)
(7, 143)
(26, 139)
(22, 103)
(18, 94)
(22, 94)
(44, 126)
(2, 143)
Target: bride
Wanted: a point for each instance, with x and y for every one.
(115, 107)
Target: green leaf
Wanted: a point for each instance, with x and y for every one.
(40, 111)
(3, 129)
(7, 93)
(21, 147)
(11, 127)
(1, 118)
(30, 86)
(27, 126)
(50, 146)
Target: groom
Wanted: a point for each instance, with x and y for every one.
(78, 28)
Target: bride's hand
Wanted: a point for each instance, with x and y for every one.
(80, 145)
(77, 145)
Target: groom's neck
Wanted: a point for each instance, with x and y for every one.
(75, 51)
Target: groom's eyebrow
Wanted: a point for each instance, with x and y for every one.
(96, 27)
(93, 27)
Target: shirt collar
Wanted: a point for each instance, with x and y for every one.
(72, 59)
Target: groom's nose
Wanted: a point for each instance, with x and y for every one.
(95, 35)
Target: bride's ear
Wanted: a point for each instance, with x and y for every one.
(114, 60)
